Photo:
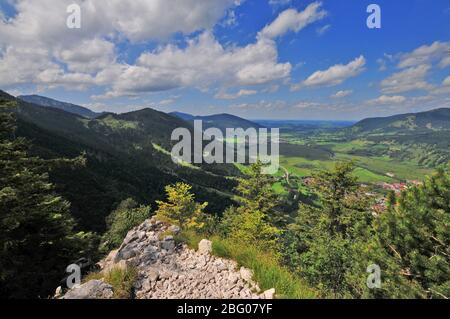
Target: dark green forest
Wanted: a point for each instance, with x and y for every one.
(123, 159)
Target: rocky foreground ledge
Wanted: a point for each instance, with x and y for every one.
(167, 270)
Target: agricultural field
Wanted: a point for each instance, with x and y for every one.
(379, 156)
(303, 160)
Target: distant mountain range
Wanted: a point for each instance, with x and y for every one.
(68, 107)
(429, 121)
(434, 120)
(220, 121)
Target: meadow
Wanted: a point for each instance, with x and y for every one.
(303, 160)
(305, 150)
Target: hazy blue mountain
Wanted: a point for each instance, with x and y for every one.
(68, 107)
(183, 116)
(220, 121)
(303, 126)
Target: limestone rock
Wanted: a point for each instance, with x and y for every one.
(174, 229)
(269, 294)
(246, 274)
(128, 254)
(168, 243)
(58, 292)
(153, 275)
(205, 246)
(94, 289)
(167, 270)
(112, 255)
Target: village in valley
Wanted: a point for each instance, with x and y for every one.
(377, 191)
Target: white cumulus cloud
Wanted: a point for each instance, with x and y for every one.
(334, 75)
(342, 94)
(409, 79)
(425, 54)
(293, 20)
(386, 99)
(36, 46)
(446, 82)
(203, 62)
(231, 96)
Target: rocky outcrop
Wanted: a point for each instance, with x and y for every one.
(167, 270)
(94, 289)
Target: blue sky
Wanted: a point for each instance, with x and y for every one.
(274, 59)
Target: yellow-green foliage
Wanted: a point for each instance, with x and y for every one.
(8, 104)
(246, 226)
(121, 280)
(120, 124)
(254, 221)
(181, 208)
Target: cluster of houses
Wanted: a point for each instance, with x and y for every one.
(380, 206)
(380, 202)
(399, 187)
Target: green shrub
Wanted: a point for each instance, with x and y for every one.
(414, 233)
(325, 243)
(246, 226)
(38, 237)
(181, 208)
(126, 216)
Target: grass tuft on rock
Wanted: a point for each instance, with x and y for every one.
(122, 281)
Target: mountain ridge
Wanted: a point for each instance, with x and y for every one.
(65, 106)
(436, 119)
(221, 121)
(125, 158)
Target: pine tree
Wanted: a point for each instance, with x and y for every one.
(255, 191)
(253, 222)
(325, 242)
(415, 233)
(37, 240)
